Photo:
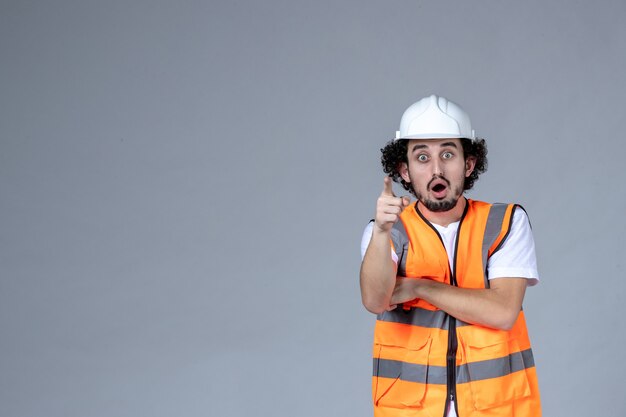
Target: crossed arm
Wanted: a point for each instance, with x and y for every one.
(496, 307)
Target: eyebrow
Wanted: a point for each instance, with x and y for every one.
(422, 146)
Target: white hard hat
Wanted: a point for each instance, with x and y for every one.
(435, 118)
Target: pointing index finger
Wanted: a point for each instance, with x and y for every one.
(388, 189)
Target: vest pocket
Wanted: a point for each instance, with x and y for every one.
(400, 375)
(495, 368)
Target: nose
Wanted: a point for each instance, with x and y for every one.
(437, 167)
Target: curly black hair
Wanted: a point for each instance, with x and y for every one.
(395, 152)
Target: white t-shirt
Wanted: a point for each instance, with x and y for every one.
(516, 257)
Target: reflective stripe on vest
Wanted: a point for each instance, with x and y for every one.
(475, 371)
(400, 243)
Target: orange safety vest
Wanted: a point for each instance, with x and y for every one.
(424, 358)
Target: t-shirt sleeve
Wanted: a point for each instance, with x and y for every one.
(367, 236)
(516, 257)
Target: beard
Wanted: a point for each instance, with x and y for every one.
(441, 205)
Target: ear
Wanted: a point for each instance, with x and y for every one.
(470, 163)
(403, 170)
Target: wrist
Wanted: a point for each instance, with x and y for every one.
(421, 287)
(380, 230)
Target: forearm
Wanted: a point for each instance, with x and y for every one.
(378, 273)
(496, 307)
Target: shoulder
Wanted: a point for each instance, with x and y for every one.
(515, 255)
(515, 210)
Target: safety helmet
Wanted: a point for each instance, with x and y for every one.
(435, 118)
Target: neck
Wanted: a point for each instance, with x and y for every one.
(444, 218)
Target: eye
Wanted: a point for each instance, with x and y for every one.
(447, 155)
(422, 157)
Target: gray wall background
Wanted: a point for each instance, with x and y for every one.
(183, 188)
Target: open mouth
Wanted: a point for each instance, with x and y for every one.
(439, 187)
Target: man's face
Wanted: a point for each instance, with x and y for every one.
(437, 170)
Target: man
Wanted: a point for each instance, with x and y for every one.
(446, 277)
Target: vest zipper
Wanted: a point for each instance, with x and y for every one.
(452, 339)
(451, 364)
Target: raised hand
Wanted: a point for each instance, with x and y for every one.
(389, 207)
